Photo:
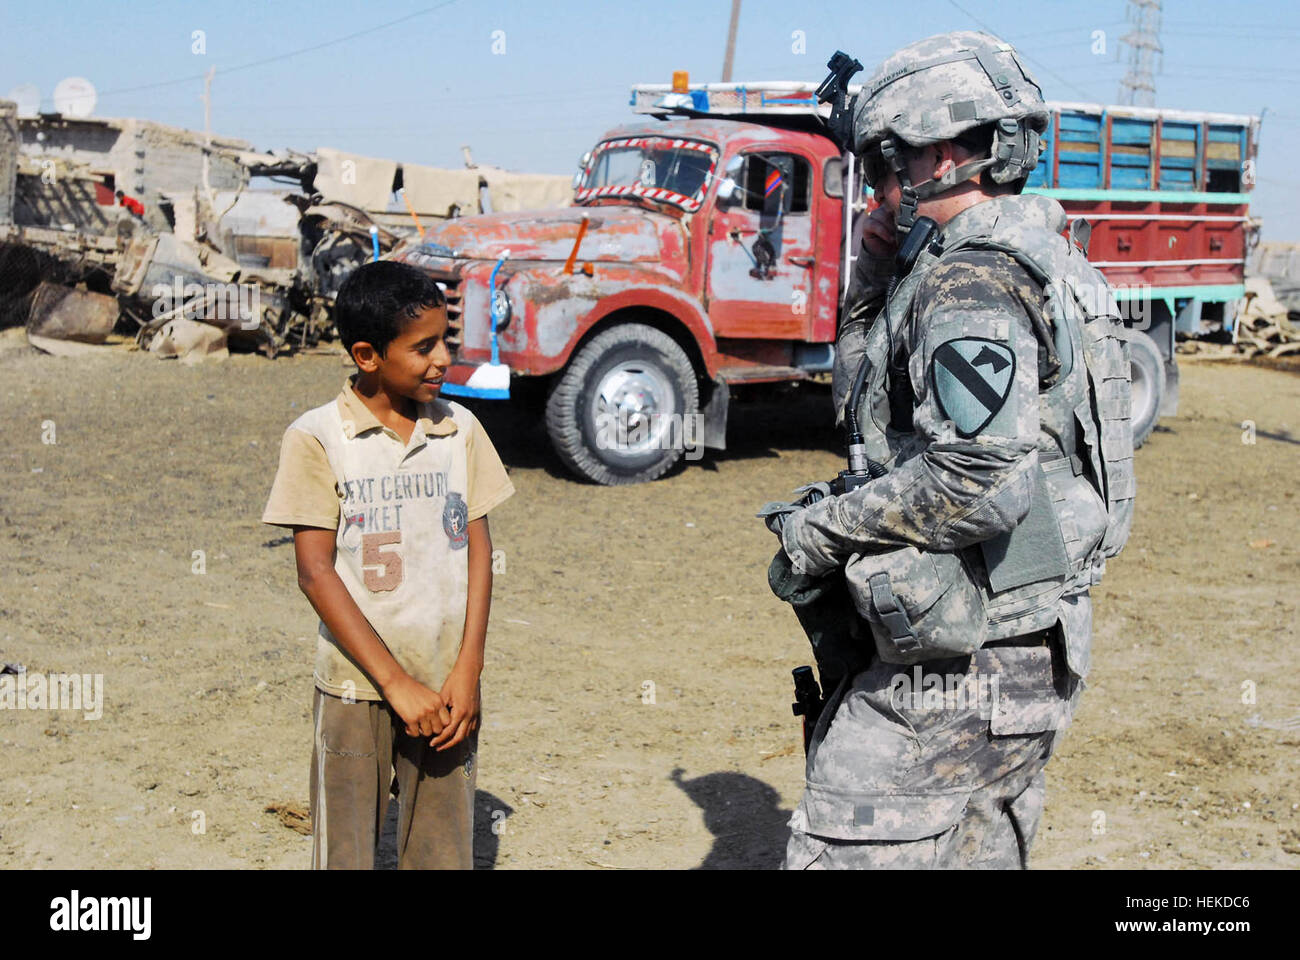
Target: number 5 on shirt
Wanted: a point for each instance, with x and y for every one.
(391, 561)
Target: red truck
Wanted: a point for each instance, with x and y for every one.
(707, 249)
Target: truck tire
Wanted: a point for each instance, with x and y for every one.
(619, 411)
(1148, 368)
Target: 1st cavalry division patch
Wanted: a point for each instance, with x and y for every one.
(972, 379)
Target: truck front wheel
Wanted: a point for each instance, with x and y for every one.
(626, 408)
(1148, 369)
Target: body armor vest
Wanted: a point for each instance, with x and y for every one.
(923, 605)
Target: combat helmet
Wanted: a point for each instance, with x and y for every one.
(935, 90)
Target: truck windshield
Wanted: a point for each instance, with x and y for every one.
(657, 168)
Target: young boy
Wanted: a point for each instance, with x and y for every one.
(386, 489)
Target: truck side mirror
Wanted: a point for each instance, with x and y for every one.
(728, 186)
(582, 169)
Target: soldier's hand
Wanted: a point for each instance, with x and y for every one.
(774, 515)
(879, 235)
(874, 265)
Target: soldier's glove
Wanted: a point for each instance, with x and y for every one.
(812, 492)
(776, 513)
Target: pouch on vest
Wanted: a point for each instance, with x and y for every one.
(922, 605)
(1106, 352)
(919, 605)
(1023, 574)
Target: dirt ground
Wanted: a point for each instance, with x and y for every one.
(207, 676)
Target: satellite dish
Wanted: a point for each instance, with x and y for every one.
(75, 97)
(28, 98)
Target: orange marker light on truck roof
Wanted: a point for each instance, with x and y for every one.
(681, 81)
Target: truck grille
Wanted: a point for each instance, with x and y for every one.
(451, 288)
(455, 307)
(450, 282)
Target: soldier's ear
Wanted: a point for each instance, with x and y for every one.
(945, 161)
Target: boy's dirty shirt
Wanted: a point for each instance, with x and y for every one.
(402, 512)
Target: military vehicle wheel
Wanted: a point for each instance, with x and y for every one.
(619, 412)
(1148, 368)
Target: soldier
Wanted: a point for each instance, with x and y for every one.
(994, 390)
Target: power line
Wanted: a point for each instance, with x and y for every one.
(285, 56)
(1262, 27)
(451, 102)
(1042, 66)
(1082, 28)
(1250, 33)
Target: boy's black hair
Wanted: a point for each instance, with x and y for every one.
(379, 299)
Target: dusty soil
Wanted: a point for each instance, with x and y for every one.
(207, 676)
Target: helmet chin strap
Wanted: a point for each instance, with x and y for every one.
(913, 195)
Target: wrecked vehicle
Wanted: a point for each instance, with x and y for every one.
(192, 239)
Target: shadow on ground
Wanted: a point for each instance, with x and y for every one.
(744, 815)
(490, 811)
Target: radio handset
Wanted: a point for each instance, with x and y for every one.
(923, 235)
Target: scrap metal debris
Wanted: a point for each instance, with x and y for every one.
(60, 313)
(1265, 327)
(112, 223)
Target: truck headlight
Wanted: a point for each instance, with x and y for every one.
(501, 308)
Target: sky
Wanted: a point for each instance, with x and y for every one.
(530, 86)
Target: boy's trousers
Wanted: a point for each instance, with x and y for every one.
(357, 748)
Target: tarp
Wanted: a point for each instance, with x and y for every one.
(364, 182)
(526, 191)
(433, 192)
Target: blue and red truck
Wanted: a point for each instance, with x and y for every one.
(709, 245)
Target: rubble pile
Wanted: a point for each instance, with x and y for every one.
(187, 241)
(1265, 327)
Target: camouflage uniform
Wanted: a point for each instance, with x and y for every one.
(957, 407)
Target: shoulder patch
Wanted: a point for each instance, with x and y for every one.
(971, 378)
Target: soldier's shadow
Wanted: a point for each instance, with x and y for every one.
(745, 817)
(489, 810)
